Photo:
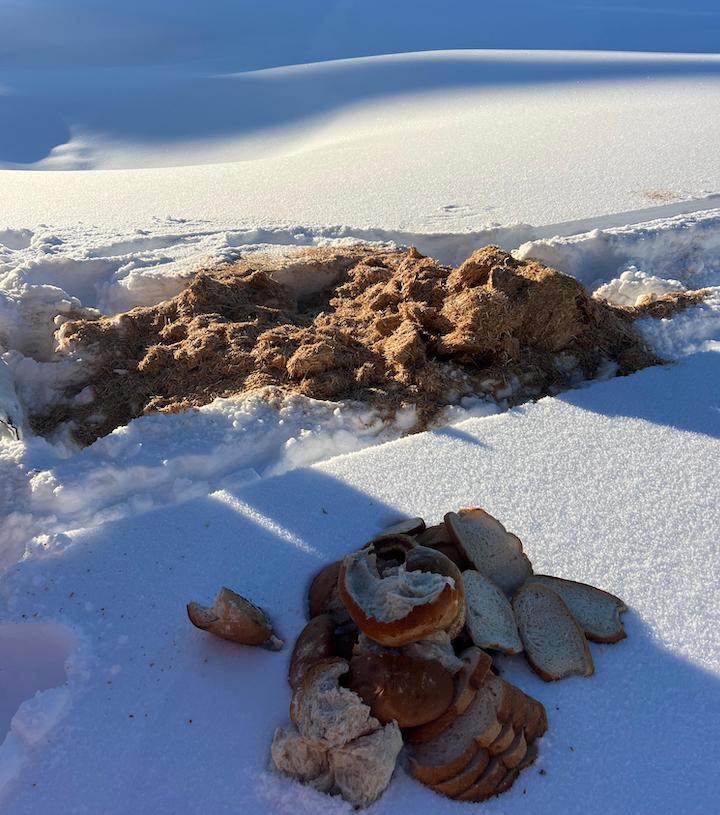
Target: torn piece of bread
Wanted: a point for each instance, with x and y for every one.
(362, 768)
(555, 645)
(400, 688)
(491, 549)
(398, 605)
(597, 611)
(490, 619)
(327, 713)
(235, 618)
(295, 756)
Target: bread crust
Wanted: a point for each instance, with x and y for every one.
(466, 777)
(323, 597)
(315, 642)
(435, 773)
(422, 620)
(401, 688)
(486, 785)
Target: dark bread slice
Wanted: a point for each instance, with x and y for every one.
(555, 645)
(486, 785)
(466, 777)
(515, 753)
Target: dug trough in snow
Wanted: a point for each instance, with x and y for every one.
(384, 327)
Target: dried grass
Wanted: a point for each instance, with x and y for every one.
(389, 328)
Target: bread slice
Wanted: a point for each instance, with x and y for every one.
(555, 645)
(409, 526)
(535, 721)
(467, 680)
(515, 753)
(502, 741)
(445, 756)
(487, 784)
(530, 756)
(519, 713)
(507, 782)
(503, 694)
(597, 612)
(490, 619)
(490, 547)
(466, 777)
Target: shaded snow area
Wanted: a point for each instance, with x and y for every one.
(140, 142)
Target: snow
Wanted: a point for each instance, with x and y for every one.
(141, 141)
(187, 707)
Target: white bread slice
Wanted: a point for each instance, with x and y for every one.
(487, 784)
(535, 720)
(466, 777)
(555, 645)
(476, 664)
(490, 619)
(491, 549)
(445, 756)
(363, 768)
(597, 612)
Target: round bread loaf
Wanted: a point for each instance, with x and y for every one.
(401, 604)
(410, 691)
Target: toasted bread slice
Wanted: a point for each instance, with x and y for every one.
(555, 645)
(487, 784)
(476, 665)
(491, 549)
(466, 777)
(490, 619)
(597, 611)
(515, 753)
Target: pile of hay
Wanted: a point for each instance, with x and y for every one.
(383, 327)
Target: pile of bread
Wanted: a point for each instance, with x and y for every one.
(396, 654)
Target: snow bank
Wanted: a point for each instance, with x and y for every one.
(197, 705)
